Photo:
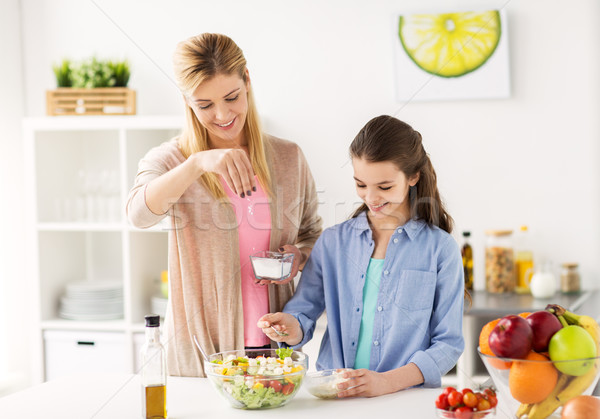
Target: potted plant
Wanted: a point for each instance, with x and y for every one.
(91, 87)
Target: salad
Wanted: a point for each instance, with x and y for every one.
(257, 382)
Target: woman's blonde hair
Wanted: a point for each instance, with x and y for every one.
(199, 59)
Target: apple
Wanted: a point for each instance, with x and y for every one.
(543, 324)
(511, 338)
(572, 343)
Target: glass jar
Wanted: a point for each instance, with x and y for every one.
(499, 262)
(570, 281)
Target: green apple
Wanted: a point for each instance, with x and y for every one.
(572, 343)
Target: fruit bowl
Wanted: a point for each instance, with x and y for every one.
(447, 414)
(257, 378)
(536, 386)
(323, 384)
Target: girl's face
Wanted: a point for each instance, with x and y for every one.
(221, 105)
(384, 188)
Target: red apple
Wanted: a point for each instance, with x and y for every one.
(511, 338)
(543, 324)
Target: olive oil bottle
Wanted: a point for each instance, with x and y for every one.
(467, 258)
(154, 372)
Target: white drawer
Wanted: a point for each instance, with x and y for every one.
(70, 352)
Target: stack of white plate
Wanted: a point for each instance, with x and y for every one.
(159, 306)
(92, 300)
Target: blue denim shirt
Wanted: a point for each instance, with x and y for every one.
(419, 306)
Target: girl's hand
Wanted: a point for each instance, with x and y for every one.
(285, 323)
(365, 383)
(231, 163)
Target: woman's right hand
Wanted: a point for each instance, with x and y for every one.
(285, 323)
(231, 163)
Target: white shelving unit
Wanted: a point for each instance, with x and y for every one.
(78, 173)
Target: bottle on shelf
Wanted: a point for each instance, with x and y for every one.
(523, 260)
(154, 372)
(467, 259)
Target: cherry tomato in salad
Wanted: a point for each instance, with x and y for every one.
(455, 398)
(288, 389)
(442, 401)
(275, 385)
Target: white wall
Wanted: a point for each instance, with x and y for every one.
(13, 286)
(321, 69)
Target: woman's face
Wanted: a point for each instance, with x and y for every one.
(221, 105)
(384, 188)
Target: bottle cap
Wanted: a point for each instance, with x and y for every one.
(466, 233)
(152, 320)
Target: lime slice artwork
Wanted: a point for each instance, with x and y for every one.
(450, 44)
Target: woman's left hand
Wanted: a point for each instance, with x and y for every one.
(365, 383)
(298, 256)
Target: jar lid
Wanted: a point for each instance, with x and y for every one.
(570, 265)
(498, 232)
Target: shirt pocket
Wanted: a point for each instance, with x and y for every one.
(416, 290)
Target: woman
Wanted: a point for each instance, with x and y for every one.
(390, 278)
(230, 191)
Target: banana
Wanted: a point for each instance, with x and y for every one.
(523, 410)
(578, 384)
(545, 408)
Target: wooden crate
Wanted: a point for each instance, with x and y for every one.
(98, 101)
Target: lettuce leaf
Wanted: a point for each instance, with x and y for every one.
(284, 352)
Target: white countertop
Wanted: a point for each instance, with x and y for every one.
(117, 396)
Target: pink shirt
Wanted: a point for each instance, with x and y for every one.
(254, 230)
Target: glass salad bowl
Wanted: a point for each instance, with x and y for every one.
(257, 378)
(323, 384)
(273, 266)
(537, 386)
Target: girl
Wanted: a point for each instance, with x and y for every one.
(390, 278)
(230, 190)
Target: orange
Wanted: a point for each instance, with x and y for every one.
(532, 382)
(525, 314)
(484, 346)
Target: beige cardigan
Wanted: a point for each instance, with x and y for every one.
(204, 264)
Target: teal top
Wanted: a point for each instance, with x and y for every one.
(370, 292)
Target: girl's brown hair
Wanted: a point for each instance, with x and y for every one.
(386, 138)
(195, 61)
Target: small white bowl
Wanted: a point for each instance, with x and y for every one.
(323, 384)
(273, 266)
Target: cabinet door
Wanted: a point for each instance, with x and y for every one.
(74, 352)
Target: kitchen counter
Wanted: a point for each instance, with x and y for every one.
(499, 305)
(116, 396)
